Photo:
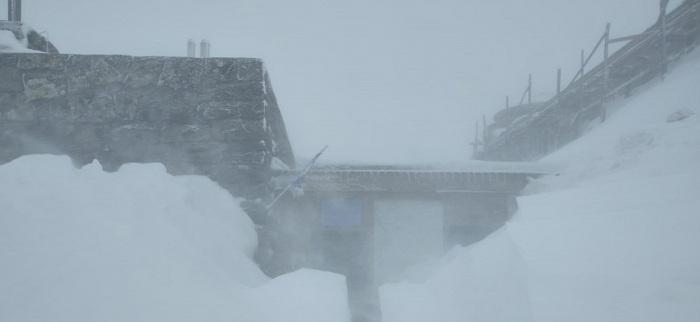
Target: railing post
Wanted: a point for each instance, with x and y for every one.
(507, 102)
(14, 10)
(529, 89)
(559, 86)
(483, 135)
(664, 61)
(605, 60)
(583, 63)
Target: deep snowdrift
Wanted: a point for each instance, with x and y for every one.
(614, 239)
(139, 245)
(10, 44)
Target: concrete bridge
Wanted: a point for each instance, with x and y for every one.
(370, 223)
(500, 178)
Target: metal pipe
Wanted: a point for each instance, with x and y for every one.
(602, 38)
(483, 135)
(14, 10)
(191, 47)
(605, 60)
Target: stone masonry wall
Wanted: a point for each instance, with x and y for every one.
(216, 117)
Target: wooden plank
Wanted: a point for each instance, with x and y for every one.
(633, 37)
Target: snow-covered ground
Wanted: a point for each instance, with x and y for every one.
(615, 238)
(139, 245)
(10, 44)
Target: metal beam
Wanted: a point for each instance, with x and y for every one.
(633, 37)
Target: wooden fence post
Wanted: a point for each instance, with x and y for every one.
(204, 47)
(483, 135)
(529, 89)
(14, 10)
(605, 60)
(664, 3)
(559, 86)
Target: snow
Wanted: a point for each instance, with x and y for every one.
(10, 44)
(139, 245)
(471, 166)
(612, 238)
(681, 114)
(484, 284)
(315, 297)
(279, 165)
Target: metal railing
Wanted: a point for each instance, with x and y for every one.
(645, 56)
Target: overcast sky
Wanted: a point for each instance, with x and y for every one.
(378, 81)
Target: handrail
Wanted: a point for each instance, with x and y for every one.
(637, 43)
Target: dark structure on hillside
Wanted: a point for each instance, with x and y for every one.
(216, 117)
(566, 116)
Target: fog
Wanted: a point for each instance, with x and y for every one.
(390, 227)
(380, 82)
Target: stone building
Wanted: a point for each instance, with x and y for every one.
(216, 117)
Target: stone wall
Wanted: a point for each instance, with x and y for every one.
(216, 117)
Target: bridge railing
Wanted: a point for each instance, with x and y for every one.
(644, 57)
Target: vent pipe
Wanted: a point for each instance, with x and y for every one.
(204, 47)
(191, 46)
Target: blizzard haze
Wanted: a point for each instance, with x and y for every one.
(380, 82)
(140, 245)
(613, 238)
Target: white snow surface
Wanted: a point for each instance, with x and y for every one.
(614, 238)
(139, 245)
(10, 44)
